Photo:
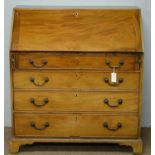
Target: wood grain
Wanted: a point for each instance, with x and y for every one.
(76, 101)
(75, 125)
(74, 80)
(136, 144)
(76, 61)
(61, 55)
(77, 30)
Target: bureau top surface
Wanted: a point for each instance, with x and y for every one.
(86, 30)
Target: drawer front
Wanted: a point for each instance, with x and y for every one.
(76, 101)
(76, 125)
(43, 125)
(75, 80)
(61, 61)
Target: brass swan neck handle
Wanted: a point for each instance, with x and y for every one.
(119, 102)
(33, 101)
(119, 81)
(33, 80)
(118, 126)
(45, 125)
(120, 63)
(44, 62)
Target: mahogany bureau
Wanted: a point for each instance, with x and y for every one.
(76, 76)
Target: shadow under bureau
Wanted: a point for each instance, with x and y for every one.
(76, 76)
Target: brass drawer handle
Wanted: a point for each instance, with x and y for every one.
(119, 102)
(32, 79)
(120, 63)
(32, 100)
(120, 80)
(44, 62)
(33, 125)
(106, 125)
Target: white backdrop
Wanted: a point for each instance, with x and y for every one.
(146, 17)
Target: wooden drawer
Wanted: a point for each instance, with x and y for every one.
(77, 61)
(76, 101)
(75, 80)
(76, 125)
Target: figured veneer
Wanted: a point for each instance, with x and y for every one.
(76, 101)
(125, 62)
(90, 30)
(76, 125)
(75, 80)
(62, 88)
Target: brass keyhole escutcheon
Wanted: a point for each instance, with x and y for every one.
(77, 75)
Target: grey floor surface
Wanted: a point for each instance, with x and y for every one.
(78, 149)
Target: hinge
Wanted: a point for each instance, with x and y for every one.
(138, 62)
(13, 61)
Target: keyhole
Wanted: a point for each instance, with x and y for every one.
(77, 76)
(77, 60)
(75, 117)
(76, 95)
